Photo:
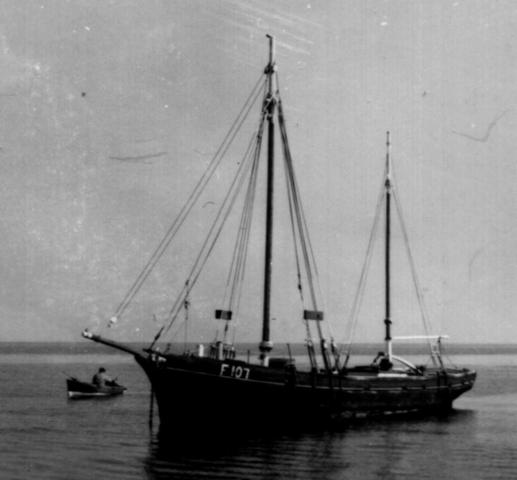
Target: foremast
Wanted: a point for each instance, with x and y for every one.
(266, 345)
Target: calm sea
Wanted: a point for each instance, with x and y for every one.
(45, 436)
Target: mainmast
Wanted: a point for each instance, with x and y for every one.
(387, 186)
(266, 344)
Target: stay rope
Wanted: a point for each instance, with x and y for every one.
(359, 295)
(192, 199)
(300, 226)
(298, 211)
(223, 213)
(234, 282)
(416, 283)
(211, 238)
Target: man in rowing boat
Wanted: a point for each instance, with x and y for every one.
(101, 378)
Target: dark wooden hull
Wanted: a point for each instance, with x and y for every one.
(77, 389)
(192, 390)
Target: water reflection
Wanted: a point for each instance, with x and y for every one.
(384, 448)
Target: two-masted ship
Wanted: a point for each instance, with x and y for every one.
(216, 383)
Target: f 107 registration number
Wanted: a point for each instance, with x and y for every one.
(234, 371)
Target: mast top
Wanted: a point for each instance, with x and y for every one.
(271, 67)
(388, 160)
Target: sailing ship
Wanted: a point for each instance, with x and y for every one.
(216, 383)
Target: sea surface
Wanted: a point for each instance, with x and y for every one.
(43, 435)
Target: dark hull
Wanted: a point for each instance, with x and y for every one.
(192, 391)
(77, 389)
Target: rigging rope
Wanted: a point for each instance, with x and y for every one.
(296, 253)
(238, 260)
(364, 271)
(418, 290)
(307, 252)
(295, 183)
(195, 194)
(211, 239)
(205, 252)
(287, 153)
(236, 272)
(423, 310)
(292, 214)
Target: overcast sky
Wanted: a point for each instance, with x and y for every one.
(110, 111)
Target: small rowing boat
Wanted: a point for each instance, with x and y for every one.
(77, 389)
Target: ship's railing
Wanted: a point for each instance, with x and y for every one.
(436, 350)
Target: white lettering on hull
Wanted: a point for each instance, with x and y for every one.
(234, 371)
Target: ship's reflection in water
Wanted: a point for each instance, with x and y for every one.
(388, 448)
